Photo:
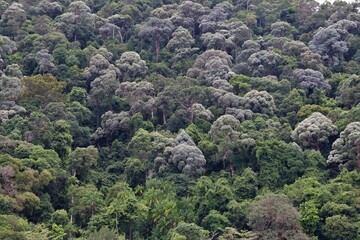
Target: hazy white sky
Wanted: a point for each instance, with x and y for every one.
(322, 1)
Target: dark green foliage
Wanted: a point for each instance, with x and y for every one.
(279, 163)
(104, 233)
(175, 120)
(188, 231)
(135, 172)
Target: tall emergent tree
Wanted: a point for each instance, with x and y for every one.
(314, 131)
(346, 149)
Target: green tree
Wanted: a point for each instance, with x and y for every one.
(215, 222)
(78, 22)
(104, 233)
(246, 185)
(124, 208)
(189, 231)
(81, 160)
(279, 163)
(214, 196)
(309, 217)
(13, 19)
(340, 227)
(42, 89)
(225, 132)
(85, 202)
(135, 172)
(156, 29)
(60, 217)
(62, 139)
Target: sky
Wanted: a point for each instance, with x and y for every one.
(322, 1)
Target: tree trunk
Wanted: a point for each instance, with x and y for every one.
(164, 117)
(191, 119)
(121, 37)
(232, 170)
(116, 222)
(71, 216)
(157, 46)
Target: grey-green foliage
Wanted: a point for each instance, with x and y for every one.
(309, 80)
(349, 91)
(162, 146)
(157, 30)
(221, 33)
(331, 42)
(260, 102)
(229, 99)
(211, 65)
(44, 60)
(7, 46)
(3, 6)
(181, 44)
(215, 19)
(264, 62)
(225, 129)
(238, 32)
(131, 66)
(346, 147)
(187, 157)
(112, 122)
(110, 30)
(216, 41)
(164, 11)
(52, 9)
(102, 89)
(276, 42)
(103, 78)
(139, 96)
(99, 65)
(79, 16)
(105, 53)
(56, 111)
(13, 18)
(10, 88)
(189, 14)
(13, 70)
(201, 112)
(281, 29)
(222, 84)
(9, 109)
(181, 38)
(294, 48)
(314, 131)
(240, 114)
(247, 49)
(311, 60)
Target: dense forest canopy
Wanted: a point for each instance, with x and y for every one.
(179, 120)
